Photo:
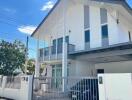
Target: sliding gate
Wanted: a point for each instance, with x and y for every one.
(49, 88)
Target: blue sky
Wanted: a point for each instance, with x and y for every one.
(18, 18)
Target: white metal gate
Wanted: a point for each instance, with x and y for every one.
(49, 88)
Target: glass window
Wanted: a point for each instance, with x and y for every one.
(129, 33)
(54, 47)
(104, 31)
(103, 15)
(41, 52)
(59, 46)
(86, 17)
(46, 51)
(87, 36)
(67, 39)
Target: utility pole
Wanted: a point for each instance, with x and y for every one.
(26, 54)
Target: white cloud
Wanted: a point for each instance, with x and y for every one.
(27, 29)
(47, 6)
(9, 10)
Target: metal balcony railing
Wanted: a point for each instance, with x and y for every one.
(51, 53)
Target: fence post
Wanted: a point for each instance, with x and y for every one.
(26, 87)
(101, 86)
(3, 85)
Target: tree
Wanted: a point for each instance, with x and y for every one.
(12, 57)
(31, 66)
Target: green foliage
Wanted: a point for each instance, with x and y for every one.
(12, 57)
(31, 66)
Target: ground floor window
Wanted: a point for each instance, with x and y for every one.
(57, 75)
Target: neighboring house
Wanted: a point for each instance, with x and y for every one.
(97, 34)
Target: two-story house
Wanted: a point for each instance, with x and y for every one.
(86, 37)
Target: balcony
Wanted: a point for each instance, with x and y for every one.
(53, 53)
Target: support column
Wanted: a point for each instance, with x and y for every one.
(37, 66)
(64, 66)
(64, 54)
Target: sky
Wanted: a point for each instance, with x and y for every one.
(19, 18)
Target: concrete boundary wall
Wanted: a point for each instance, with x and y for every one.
(116, 86)
(23, 93)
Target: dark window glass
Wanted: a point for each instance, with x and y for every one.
(54, 47)
(104, 29)
(100, 70)
(59, 46)
(129, 33)
(46, 51)
(87, 36)
(41, 52)
(67, 39)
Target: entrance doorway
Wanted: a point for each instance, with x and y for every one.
(56, 76)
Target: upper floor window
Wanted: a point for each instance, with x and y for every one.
(87, 36)
(54, 46)
(59, 45)
(86, 23)
(86, 17)
(104, 29)
(104, 20)
(41, 52)
(129, 33)
(67, 39)
(103, 15)
(46, 51)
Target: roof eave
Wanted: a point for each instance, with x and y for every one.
(58, 1)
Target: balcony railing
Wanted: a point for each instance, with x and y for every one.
(53, 53)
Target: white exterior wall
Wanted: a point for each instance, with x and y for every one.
(83, 68)
(75, 21)
(95, 27)
(118, 33)
(112, 28)
(115, 87)
(116, 67)
(72, 68)
(123, 28)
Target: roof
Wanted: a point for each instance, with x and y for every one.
(46, 17)
(121, 2)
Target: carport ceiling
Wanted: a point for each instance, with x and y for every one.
(107, 59)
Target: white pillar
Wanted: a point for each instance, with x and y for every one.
(64, 66)
(26, 88)
(64, 54)
(37, 66)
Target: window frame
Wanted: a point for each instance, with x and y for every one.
(104, 37)
(88, 29)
